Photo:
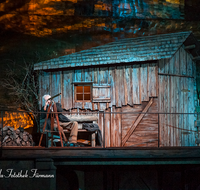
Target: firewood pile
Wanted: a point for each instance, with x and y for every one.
(17, 137)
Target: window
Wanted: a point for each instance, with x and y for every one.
(83, 92)
(90, 92)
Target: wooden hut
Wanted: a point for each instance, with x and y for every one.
(128, 83)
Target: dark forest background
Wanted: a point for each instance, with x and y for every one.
(37, 30)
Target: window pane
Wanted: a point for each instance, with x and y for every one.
(79, 89)
(79, 97)
(86, 89)
(86, 96)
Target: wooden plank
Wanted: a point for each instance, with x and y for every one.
(161, 67)
(171, 65)
(113, 128)
(166, 63)
(189, 64)
(161, 110)
(168, 110)
(67, 89)
(129, 84)
(95, 75)
(136, 84)
(136, 122)
(177, 62)
(88, 75)
(166, 106)
(107, 128)
(181, 109)
(185, 116)
(101, 124)
(144, 82)
(183, 69)
(125, 82)
(152, 80)
(191, 109)
(40, 91)
(172, 154)
(176, 75)
(111, 81)
(173, 110)
(88, 78)
(77, 75)
(82, 75)
(46, 77)
(177, 116)
(102, 106)
(122, 87)
(117, 87)
(118, 133)
(56, 85)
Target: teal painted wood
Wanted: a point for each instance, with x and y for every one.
(77, 75)
(177, 62)
(45, 82)
(161, 68)
(111, 79)
(136, 84)
(161, 110)
(144, 82)
(56, 85)
(128, 81)
(117, 87)
(191, 109)
(189, 64)
(168, 110)
(121, 88)
(40, 94)
(152, 80)
(67, 89)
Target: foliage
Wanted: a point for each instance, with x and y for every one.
(22, 86)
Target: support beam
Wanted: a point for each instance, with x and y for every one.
(190, 47)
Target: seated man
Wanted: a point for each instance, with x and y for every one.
(72, 125)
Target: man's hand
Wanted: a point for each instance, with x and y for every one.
(46, 104)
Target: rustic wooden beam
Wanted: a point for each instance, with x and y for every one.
(82, 118)
(175, 75)
(114, 153)
(125, 163)
(135, 124)
(190, 47)
(196, 58)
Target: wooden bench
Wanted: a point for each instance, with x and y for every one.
(80, 119)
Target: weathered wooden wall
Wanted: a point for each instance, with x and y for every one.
(118, 122)
(129, 85)
(177, 94)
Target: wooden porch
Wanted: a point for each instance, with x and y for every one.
(106, 156)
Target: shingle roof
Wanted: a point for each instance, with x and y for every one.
(126, 50)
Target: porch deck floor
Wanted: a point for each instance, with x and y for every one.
(105, 156)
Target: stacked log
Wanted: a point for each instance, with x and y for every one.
(17, 137)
